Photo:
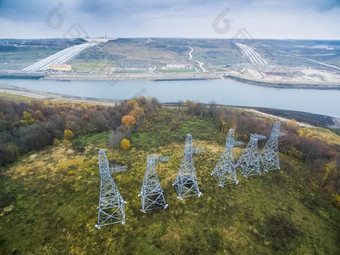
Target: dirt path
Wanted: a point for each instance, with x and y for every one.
(279, 118)
(200, 64)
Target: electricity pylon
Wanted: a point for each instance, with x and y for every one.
(151, 195)
(269, 156)
(249, 160)
(186, 180)
(111, 203)
(224, 171)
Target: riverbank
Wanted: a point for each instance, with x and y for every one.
(41, 95)
(284, 84)
(304, 119)
(96, 76)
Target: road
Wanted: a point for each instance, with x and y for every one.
(252, 55)
(60, 57)
(200, 64)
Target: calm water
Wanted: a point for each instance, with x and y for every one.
(326, 102)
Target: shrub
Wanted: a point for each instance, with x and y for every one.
(78, 146)
(125, 144)
(68, 134)
(55, 142)
(280, 231)
(12, 153)
(71, 172)
(67, 143)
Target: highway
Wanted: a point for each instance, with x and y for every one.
(60, 57)
(252, 55)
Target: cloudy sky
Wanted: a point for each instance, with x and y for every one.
(278, 19)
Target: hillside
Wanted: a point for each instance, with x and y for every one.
(49, 196)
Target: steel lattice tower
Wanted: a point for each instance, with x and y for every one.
(152, 196)
(186, 180)
(269, 156)
(249, 160)
(225, 172)
(111, 203)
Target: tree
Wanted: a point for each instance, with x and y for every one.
(129, 120)
(68, 134)
(125, 144)
(137, 112)
(39, 115)
(27, 118)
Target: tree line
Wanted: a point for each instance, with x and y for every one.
(31, 126)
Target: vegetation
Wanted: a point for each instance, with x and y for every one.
(31, 126)
(49, 198)
(125, 144)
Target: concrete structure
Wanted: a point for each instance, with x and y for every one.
(60, 57)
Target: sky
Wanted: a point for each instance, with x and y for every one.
(276, 19)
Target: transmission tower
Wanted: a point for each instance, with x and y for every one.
(111, 203)
(249, 159)
(269, 156)
(151, 195)
(186, 180)
(225, 172)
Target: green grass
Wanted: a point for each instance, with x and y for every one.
(55, 213)
(16, 98)
(130, 71)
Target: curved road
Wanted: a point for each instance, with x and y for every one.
(200, 64)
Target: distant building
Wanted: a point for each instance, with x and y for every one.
(59, 68)
(178, 66)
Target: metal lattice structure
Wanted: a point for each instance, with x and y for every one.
(225, 171)
(269, 156)
(111, 203)
(186, 180)
(248, 162)
(151, 195)
(117, 169)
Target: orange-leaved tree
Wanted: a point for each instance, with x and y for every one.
(129, 120)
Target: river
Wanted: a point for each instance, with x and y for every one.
(228, 92)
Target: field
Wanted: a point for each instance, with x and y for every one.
(298, 61)
(50, 198)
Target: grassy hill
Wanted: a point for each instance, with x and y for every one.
(49, 199)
